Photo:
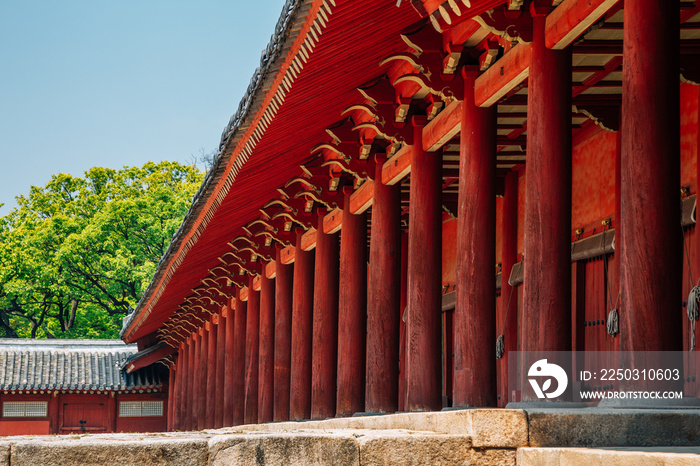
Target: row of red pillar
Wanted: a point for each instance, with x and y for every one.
(323, 339)
(320, 339)
(648, 217)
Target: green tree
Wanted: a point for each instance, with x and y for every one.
(76, 254)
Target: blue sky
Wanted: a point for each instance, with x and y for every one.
(88, 83)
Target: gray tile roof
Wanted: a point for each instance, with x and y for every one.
(27, 364)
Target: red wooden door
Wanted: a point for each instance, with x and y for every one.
(84, 417)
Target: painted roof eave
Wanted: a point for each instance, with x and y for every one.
(247, 108)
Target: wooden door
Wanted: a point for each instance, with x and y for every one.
(84, 417)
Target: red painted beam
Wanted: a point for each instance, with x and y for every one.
(360, 201)
(443, 127)
(613, 64)
(302, 331)
(362, 198)
(503, 76)
(395, 169)
(383, 298)
(266, 352)
(287, 255)
(352, 312)
(283, 337)
(308, 240)
(689, 11)
(333, 221)
(256, 282)
(325, 325)
(571, 19)
(270, 269)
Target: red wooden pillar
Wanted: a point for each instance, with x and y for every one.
(651, 249)
(112, 410)
(546, 304)
(220, 367)
(196, 365)
(171, 398)
(211, 372)
(423, 352)
(266, 378)
(402, 320)
(252, 335)
(325, 324)
(383, 297)
(186, 389)
(189, 415)
(508, 315)
(697, 228)
(229, 363)
(474, 382)
(175, 371)
(283, 337)
(53, 412)
(182, 362)
(173, 402)
(302, 332)
(239, 360)
(203, 366)
(352, 311)
(618, 221)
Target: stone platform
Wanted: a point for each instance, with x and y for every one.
(470, 436)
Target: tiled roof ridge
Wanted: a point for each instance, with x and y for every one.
(39, 365)
(62, 341)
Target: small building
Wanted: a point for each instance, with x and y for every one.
(74, 386)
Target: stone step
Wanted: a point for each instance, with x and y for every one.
(486, 428)
(298, 447)
(618, 456)
(596, 427)
(106, 449)
(352, 447)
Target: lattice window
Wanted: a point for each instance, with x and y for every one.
(140, 408)
(151, 408)
(24, 409)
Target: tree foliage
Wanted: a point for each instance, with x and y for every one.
(77, 254)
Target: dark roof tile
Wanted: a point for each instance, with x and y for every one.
(71, 365)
